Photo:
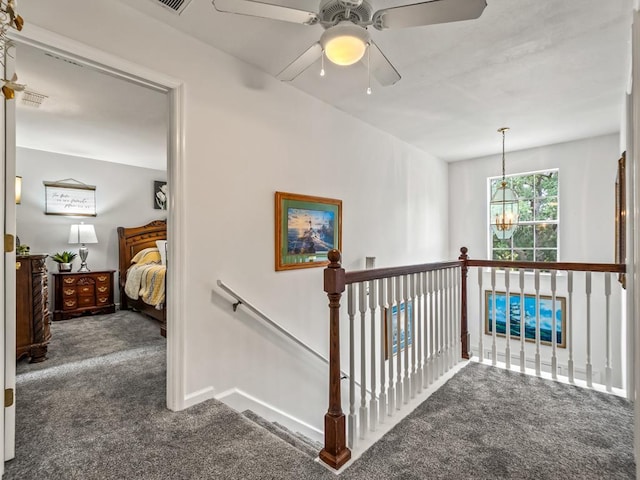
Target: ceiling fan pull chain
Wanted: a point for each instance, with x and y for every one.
(369, 69)
(322, 65)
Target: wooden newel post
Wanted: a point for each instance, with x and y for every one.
(464, 331)
(335, 452)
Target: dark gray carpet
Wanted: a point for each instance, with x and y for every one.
(107, 420)
(92, 336)
(490, 423)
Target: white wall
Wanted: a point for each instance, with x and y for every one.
(247, 136)
(124, 198)
(587, 173)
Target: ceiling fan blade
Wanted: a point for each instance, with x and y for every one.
(265, 10)
(381, 68)
(428, 13)
(300, 64)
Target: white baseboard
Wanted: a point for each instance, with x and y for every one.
(241, 401)
(200, 396)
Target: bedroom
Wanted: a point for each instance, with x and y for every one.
(79, 135)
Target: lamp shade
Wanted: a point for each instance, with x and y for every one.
(81, 233)
(345, 43)
(18, 190)
(504, 211)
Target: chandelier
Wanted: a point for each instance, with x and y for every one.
(504, 205)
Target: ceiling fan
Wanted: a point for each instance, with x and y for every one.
(346, 38)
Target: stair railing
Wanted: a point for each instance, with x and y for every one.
(516, 315)
(404, 333)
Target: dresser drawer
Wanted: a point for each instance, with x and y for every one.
(69, 292)
(69, 304)
(86, 290)
(100, 278)
(69, 280)
(103, 300)
(86, 301)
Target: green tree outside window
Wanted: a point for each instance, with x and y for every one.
(536, 237)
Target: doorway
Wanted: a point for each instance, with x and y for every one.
(80, 56)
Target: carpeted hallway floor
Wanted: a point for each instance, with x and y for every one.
(105, 418)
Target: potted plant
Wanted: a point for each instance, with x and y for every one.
(64, 259)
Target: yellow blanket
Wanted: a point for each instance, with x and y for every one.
(145, 278)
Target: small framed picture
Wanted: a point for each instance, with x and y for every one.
(405, 337)
(160, 195)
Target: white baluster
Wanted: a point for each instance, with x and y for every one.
(456, 316)
(416, 381)
(445, 321)
(399, 352)
(425, 299)
(382, 399)
(373, 402)
(523, 321)
(494, 350)
(607, 293)
(407, 332)
(507, 286)
(441, 328)
(480, 325)
(351, 310)
(362, 296)
(537, 287)
(588, 293)
(449, 275)
(554, 326)
(432, 331)
(569, 332)
(391, 393)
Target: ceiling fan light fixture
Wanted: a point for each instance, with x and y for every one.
(345, 43)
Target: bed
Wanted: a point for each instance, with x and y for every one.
(133, 243)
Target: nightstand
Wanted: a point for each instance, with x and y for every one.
(83, 293)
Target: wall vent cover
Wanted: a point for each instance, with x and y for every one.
(176, 6)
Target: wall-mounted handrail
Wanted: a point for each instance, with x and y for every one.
(242, 301)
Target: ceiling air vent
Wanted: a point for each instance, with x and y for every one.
(176, 6)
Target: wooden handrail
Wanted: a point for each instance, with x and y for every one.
(564, 266)
(378, 273)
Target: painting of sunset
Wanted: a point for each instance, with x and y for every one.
(309, 231)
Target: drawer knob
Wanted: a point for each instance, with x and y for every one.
(103, 289)
(69, 280)
(69, 291)
(102, 278)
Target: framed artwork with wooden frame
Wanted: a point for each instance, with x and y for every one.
(306, 229)
(75, 199)
(544, 308)
(621, 217)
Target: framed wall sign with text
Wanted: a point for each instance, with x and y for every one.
(74, 199)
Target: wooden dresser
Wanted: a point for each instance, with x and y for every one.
(32, 307)
(83, 293)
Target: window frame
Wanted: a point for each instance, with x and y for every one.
(490, 235)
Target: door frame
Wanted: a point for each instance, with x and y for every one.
(174, 88)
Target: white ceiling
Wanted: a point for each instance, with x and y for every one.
(89, 113)
(552, 70)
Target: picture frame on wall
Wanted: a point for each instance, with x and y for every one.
(73, 199)
(531, 308)
(306, 229)
(406, 339)
(160, 195)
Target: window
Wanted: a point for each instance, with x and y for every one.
(536, 238)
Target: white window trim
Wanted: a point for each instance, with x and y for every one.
(555, 222)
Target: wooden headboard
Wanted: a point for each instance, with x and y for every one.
(132, 240)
